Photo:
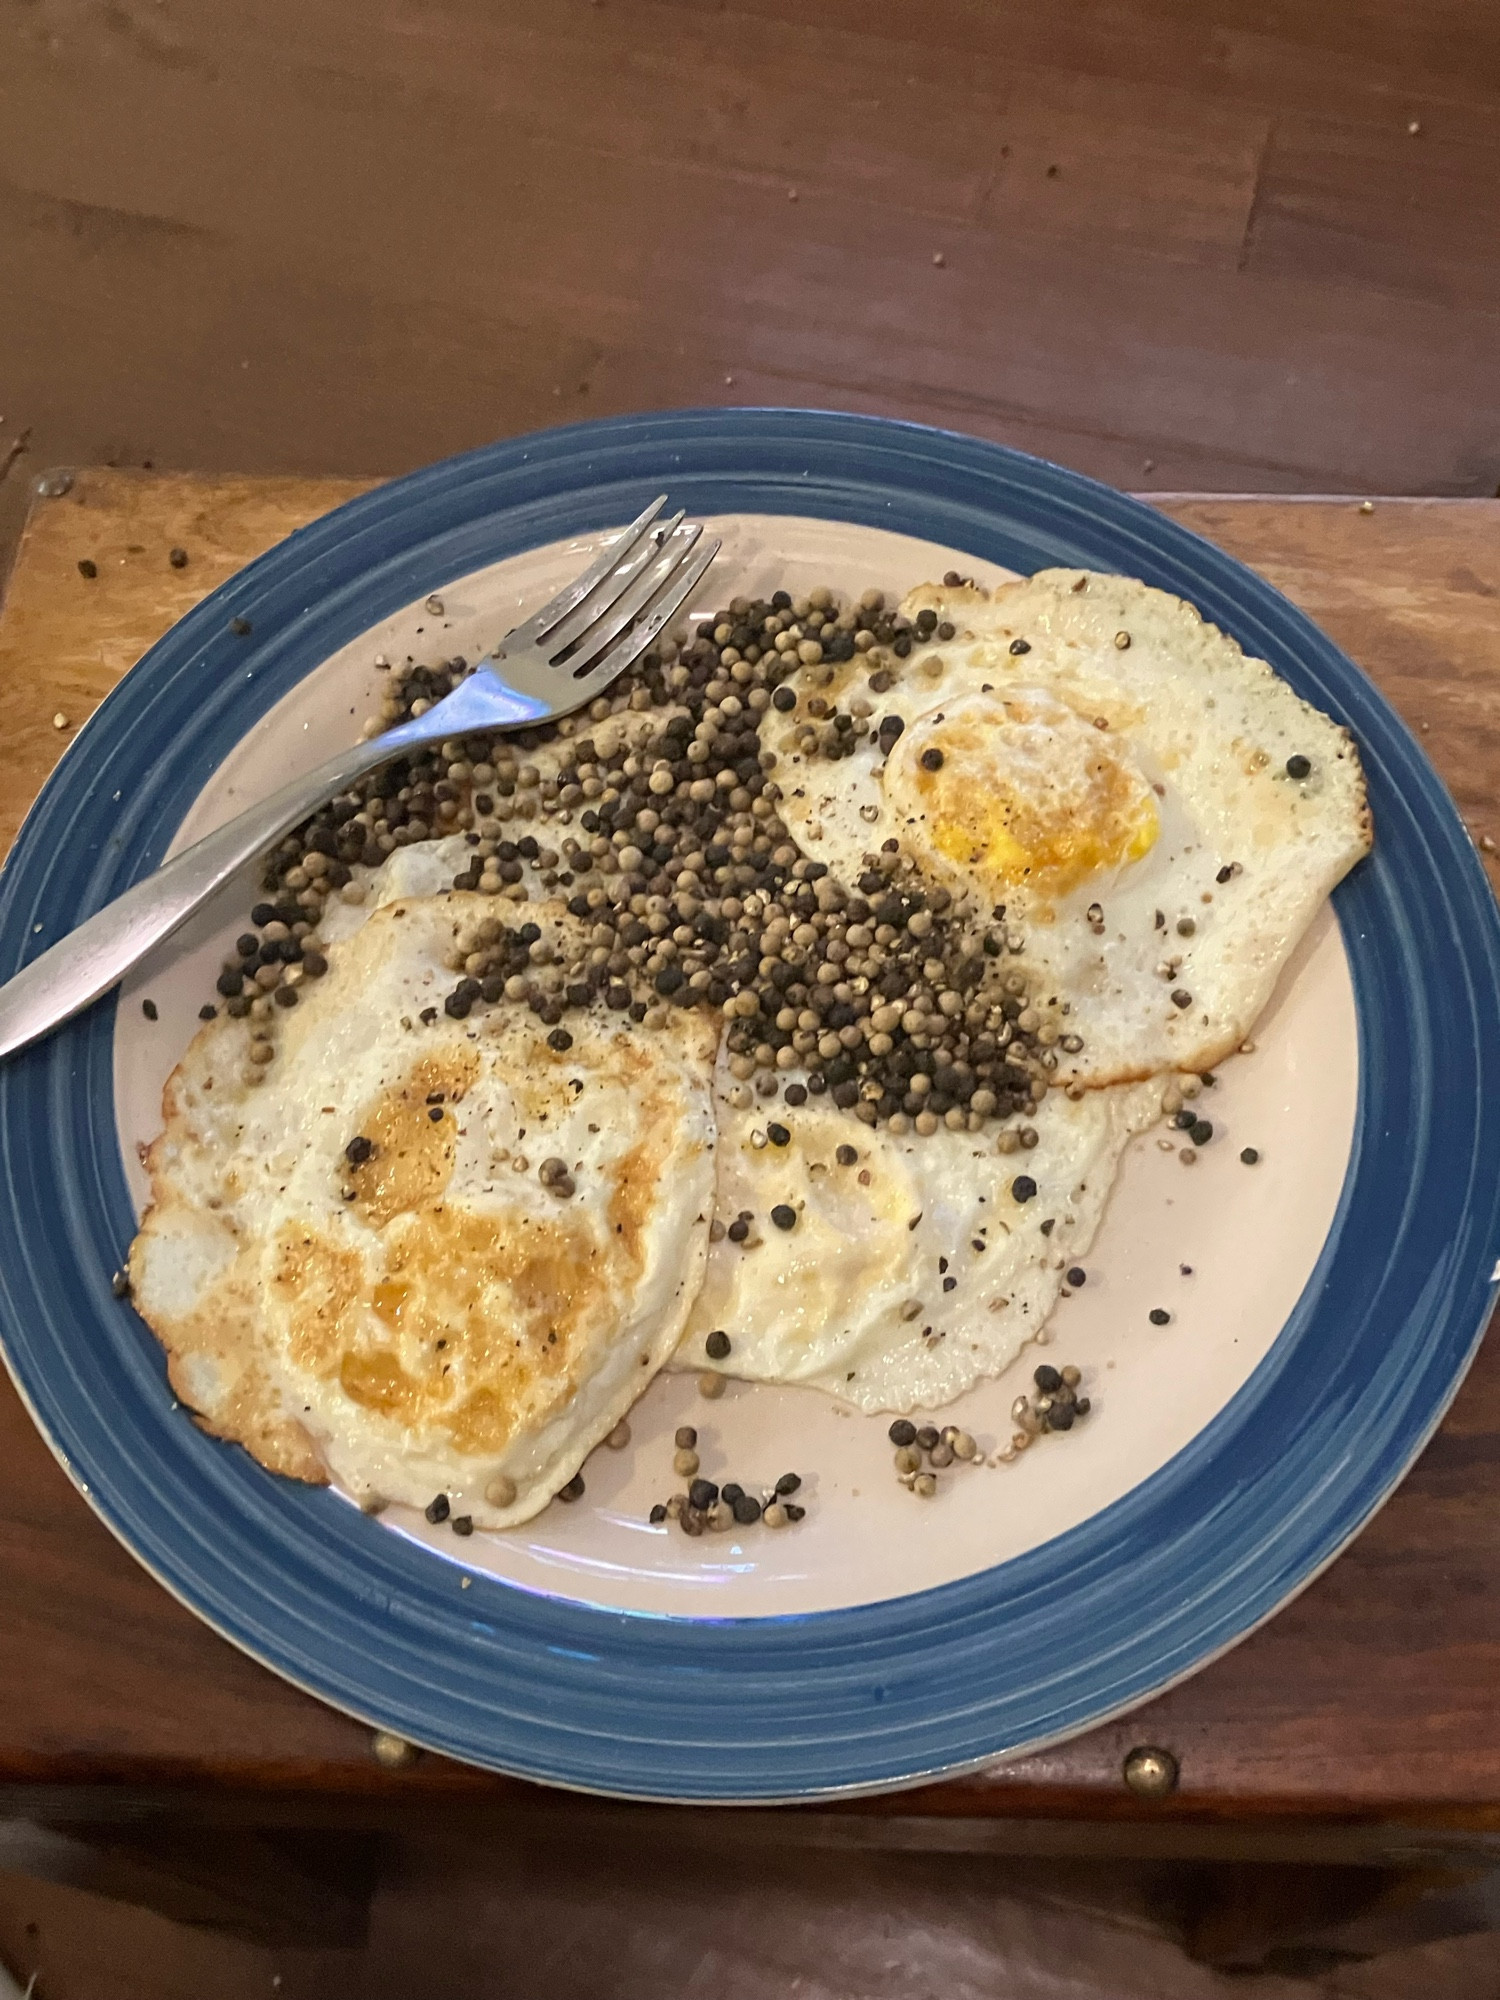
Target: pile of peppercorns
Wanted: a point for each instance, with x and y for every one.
(657, 825)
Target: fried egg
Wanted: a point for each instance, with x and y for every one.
(426, 868)
(1151, 815)
(911, 1271)
(359, 1268)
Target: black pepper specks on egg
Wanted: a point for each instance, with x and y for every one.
(663, 837)
(1299, 767)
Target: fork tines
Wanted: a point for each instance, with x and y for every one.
(609, 615)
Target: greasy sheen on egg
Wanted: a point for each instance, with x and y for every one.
(430, 1317)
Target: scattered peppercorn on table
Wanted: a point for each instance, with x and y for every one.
(1362, 1723)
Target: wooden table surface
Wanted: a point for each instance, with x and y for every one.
(1369, 1710)
(1174, 243)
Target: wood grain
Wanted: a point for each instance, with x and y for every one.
(1384, 209)
(1374, 1698)
(65, 639)
(1185, 242)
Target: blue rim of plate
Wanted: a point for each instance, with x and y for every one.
(795, 1707)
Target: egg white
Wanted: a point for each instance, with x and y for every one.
(852, 1299)
(433, 1319)
(831, 1296)
(1177, 862)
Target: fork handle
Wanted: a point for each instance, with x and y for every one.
(75, 971)
(71, 974)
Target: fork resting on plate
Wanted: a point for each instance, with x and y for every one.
(556, 662)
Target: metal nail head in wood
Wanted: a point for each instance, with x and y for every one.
(393, 1752)
(1151, 1772)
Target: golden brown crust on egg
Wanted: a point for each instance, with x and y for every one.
(214, 1365)
(509, 1317)
(213, 1354)
(252, 1417)
(433, 1296)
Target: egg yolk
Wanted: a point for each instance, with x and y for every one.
(1017, 789)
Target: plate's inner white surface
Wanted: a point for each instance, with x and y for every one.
(1249, 1235)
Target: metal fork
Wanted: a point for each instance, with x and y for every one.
(558, 661)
